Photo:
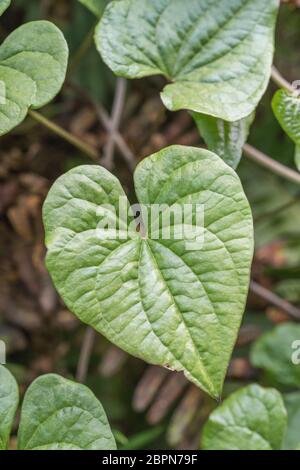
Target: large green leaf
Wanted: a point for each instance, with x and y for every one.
(217, 54)
(286, 108)
(9, 399)
(95, 6)
(4, 4)
(253, 418)
(58, 414)
(273, 353)
(33, 61)
(224, 138)
(156, 298)
(292, 435)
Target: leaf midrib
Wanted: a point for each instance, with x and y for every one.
(203, 368)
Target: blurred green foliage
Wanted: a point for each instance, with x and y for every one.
(275, 204)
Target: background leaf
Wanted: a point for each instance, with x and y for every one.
(275, 208)
(224, 138)
(273, 353)
(217, 54)
(132, 290)
(33, 62)
(286, 108)
(91, 73)
(4, 4)
(292, 435)
(60, 414)
(252, 418)
(9, 399)
(95, 6)
(16, 96)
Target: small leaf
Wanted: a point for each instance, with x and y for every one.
(4, 4)
(217, 55)
(33, 61)
(95, 6)
(9, 399)
(286, 108)
(58, 414)
(152, 297)
(253, 418)
(16, 96)
(273, 352)
(292, 435)
(224, 138)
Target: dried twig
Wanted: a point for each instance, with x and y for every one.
(276, 167)
(117, 137)
(107, 123)
(148, 387)
(116, 115)
(167, 395)
(67, 136)
(263, 159)
(85, 354)
(280, 80)
(275, 300)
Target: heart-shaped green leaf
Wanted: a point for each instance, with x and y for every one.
(286, 108)
(9, 399)
(218, 55)
(292, 435)
(4, 4)
(224, 138)
(33, 62)
(95, 6)
(278, 354)
(58, 414)
(159, 299)
(253, 418)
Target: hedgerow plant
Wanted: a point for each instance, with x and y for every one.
(131, 291)
(157, 299)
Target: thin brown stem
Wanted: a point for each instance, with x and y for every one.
(85, 354)
(275, 300)
(116, 115)
(85, 148)
(280, 81)
(106, 122)
(118, 138)
(267, 162)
